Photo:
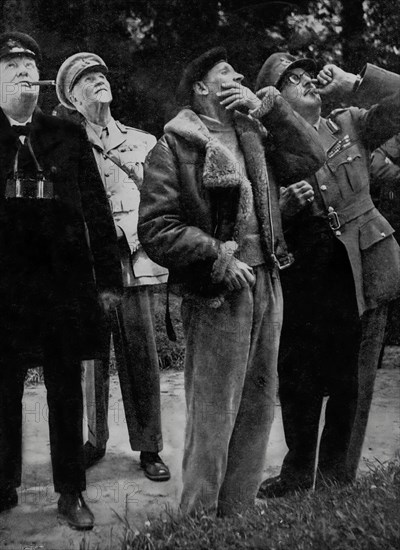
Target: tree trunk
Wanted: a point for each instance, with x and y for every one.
(355, 49)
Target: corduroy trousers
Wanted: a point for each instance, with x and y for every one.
(230, 387)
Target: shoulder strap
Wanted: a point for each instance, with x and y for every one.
(130, 173)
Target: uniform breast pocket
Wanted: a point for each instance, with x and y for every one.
(133, 162)
(349, 169)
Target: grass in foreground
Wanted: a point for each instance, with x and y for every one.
(365, 516)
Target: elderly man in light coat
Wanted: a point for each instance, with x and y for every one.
(120, 151)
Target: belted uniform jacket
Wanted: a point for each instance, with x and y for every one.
(343, 188)
(194, 196)
(55, 254)
(120, 161)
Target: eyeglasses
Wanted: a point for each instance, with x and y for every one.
(295, 78)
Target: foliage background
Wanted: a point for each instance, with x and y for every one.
(146, 43)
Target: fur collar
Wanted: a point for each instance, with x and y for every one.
(220, 167)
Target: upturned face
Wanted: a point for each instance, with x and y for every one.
(93, 87)
(15, 92)
(299, 90)
(222, 73)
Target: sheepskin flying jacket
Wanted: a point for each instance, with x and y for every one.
(194, 198)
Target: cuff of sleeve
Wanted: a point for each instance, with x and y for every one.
(267, 96)
(225, 256)
(357, 83)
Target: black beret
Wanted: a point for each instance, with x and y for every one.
(19, 43)
(196, 70)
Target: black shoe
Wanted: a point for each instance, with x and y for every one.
(153, 466)
(92, 455)
(8, 499)
(74, 509)
(275, 487)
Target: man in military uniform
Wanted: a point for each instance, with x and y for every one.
(120, 151)
(346, 270)
(51, 201)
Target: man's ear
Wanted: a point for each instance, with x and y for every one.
(73, 99)
(200, 88)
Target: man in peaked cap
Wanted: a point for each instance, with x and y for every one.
(120, 151)
(51, 200)
(346, 269)
(209, 213)
(19, 44)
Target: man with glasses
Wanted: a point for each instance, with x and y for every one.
(346, 270)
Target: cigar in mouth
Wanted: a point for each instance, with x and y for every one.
(43, 83)
(39, 83)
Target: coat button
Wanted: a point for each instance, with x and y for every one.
(109, 194)
(106, 174)
(338, 233)
(323, 188)
(349, 159)
(383, 234)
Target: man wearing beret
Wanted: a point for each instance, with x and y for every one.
(346, 269)
(210, 214)
(120, 151)
(51, 202)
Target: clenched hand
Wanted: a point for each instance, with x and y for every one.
(295, 197)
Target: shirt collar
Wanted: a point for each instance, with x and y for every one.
(115, 136)
(16, 123)
(97, 128)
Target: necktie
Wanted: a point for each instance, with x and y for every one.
(104, 138)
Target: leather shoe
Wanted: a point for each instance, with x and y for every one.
(153, 467)
(75, 511)
(275, 487)
(8, 500)
(92, 455)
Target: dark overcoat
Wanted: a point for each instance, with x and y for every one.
(55, 255)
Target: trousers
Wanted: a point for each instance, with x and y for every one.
(326, 350)
(62, 378)
(132, 328)
(373, 332)
(230, 388)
